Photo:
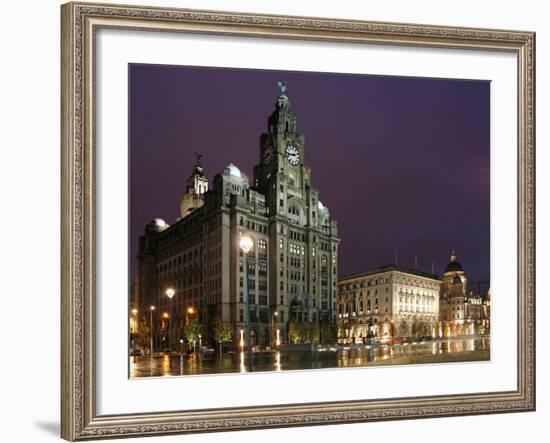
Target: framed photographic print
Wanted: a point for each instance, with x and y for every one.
(282, 221)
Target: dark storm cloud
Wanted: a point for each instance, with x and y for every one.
(402, 163)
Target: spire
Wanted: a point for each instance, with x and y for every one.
(197, 167)
(453, 255)
(282, 120)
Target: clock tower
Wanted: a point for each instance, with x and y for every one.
(303, 239)
(281, 164)
(292, 268)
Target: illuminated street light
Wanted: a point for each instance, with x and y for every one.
(246, 244)
(273, 326)
(133, 321)
(170, 293)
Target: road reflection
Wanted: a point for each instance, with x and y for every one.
(455, 350)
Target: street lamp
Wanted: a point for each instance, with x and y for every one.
(190, 311)
(246, 243)
(133, 324)
(151, 309)
(274, 326)
(170, 293)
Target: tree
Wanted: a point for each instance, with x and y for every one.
(192, 331)
(311, 333)
(403, 328)
(294, 332)
(417, 328)
(223, 333)
(139, 338)
(329, 333)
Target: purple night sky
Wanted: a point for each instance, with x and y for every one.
(402, 163)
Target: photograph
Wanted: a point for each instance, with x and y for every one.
(289, 220)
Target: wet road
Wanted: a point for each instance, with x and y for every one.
(440, 351)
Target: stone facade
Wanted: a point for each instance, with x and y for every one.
(294, 262)
(387, 302)
(394, 301)
(462, 312)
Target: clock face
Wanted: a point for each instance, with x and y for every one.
(292, 154)
(268, 155)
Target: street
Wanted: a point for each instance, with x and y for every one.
(436, 351)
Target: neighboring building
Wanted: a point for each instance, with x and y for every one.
(462, 312)
(387, 302)
(294, 266)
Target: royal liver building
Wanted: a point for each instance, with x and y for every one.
(294, 263)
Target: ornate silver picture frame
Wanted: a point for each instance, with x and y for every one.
(80, 23)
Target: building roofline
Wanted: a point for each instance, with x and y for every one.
(388, 268)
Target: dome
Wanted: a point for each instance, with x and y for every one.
(159, 224)
(231, 169)
(453, 265)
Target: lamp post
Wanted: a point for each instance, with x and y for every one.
(246, 244)
(190, 311)
(170, 293)
(134, 320)
(274, 318)
(151, 309)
